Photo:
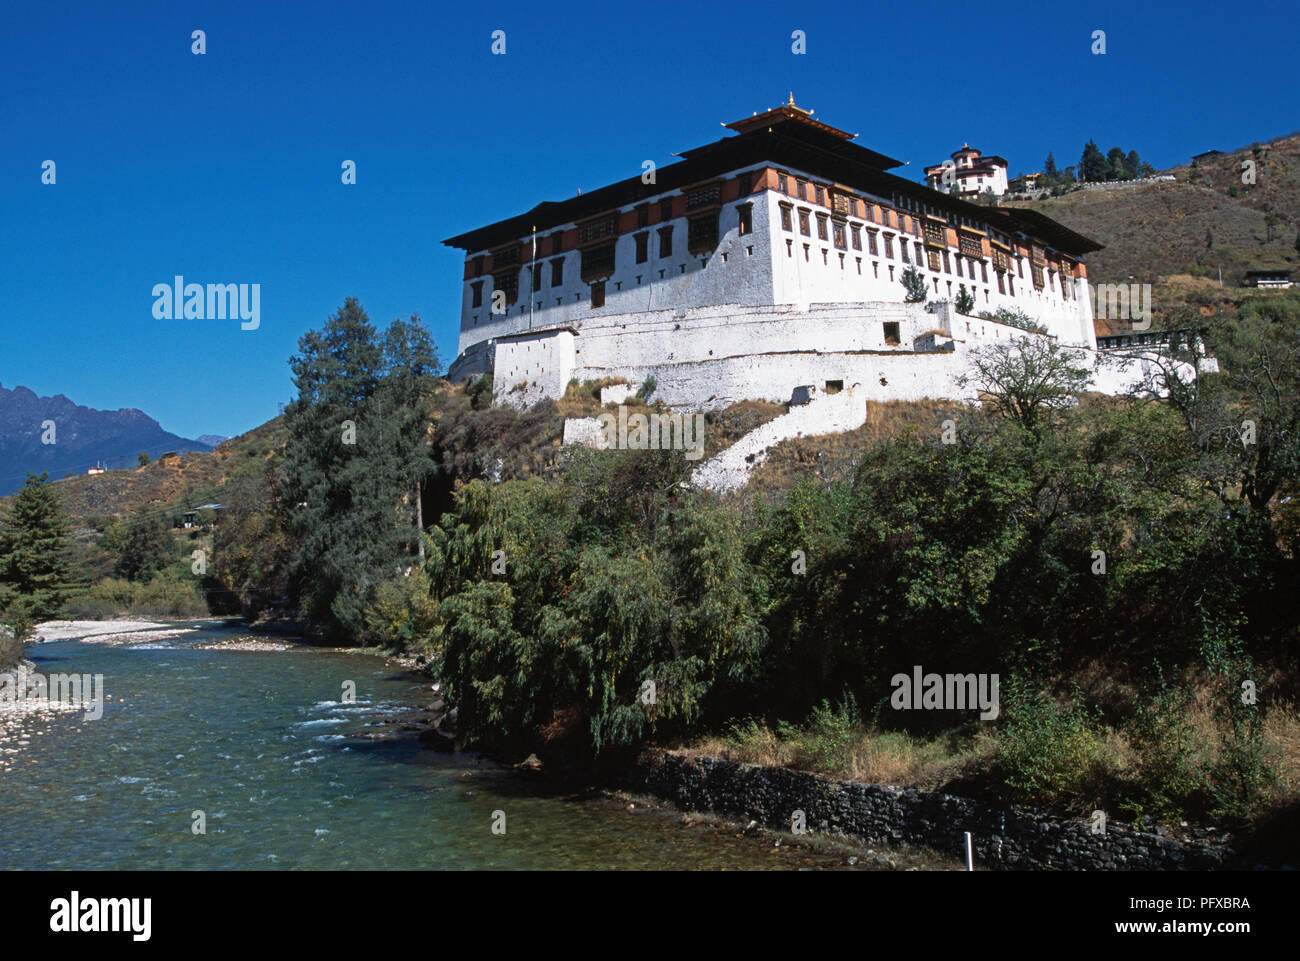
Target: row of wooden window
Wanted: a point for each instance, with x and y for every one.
(702, 234)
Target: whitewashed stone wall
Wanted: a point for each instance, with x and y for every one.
(715, 356)
(824, 414)
(533, 367)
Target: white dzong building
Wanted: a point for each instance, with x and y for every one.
(769, 260)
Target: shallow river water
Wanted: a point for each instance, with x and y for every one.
(262, 743)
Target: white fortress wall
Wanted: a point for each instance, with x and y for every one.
(711, 384)
(532, 367)
(714, 356)
(824, 414)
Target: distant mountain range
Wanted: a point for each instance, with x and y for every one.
(82, 437)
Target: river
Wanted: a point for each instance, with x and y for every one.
(288, 775)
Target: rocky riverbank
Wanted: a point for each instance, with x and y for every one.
(1011, 838)
(124, 631)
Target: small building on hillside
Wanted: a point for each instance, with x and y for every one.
(970, 172)
(1025, 183)
(1197, 158)
(1277, 278)
(97, 469)
(191, 519)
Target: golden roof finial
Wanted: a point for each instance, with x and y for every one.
(791, 103)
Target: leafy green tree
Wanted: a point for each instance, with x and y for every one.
(142, 547)
(965, 301)
(1244, 420)
(252, 549)
(34, 550)
(1028, 378)
(142, 458)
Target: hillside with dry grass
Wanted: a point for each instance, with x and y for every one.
(1178, 234)
(170, 484)
(833, 457)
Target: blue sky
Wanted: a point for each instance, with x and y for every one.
(225, 167)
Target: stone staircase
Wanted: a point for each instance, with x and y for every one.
(824, 414)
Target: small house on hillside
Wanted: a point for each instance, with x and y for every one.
(191, 519)
(1276, 278)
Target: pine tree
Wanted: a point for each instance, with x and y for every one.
(355, 462)
(1050, 175)
(1092, 165)
(329, 500)
(33, 551)
(1134, 164)
(1116, 165)
(913, 282)
(404, 399)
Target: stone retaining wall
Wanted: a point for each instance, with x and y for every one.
(1004, 839)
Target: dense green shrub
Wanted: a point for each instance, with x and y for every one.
(1047, 752)
(1241, 772)
(1168, 749)
(165, 595)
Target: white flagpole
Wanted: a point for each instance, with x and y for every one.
(533, 285)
